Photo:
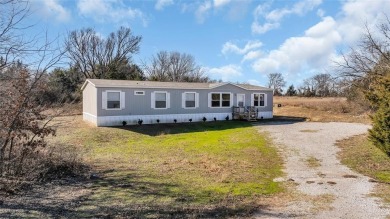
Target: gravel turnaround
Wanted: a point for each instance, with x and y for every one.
(304, 142)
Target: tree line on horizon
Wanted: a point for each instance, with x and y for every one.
(319, 85)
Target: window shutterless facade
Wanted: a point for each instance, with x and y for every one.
(215, 100)
(218, 100)
(258, 99)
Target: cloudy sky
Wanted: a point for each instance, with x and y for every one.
(235, 40)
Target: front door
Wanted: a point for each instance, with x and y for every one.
(241, 100)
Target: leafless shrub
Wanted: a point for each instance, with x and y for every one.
(24, 126)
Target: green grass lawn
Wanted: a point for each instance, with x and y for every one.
(174, 170)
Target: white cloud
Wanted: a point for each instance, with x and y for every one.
(230, 47)
(109, 11)
(274, 17)
(317, 50)
(233, 10)
(259, 29)
(203, 11)
(251, 55)
(253, 82)
(53, 8)
(357, 13)
(311, 51)
(220, 3)
(226, 73)
(161, 4)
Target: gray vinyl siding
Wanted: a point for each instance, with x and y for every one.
(141, 104)
(90, 99)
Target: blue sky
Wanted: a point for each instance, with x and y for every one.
(234, 40)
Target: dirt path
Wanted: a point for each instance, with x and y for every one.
(311, 163)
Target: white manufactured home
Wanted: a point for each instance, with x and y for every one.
(110, 102)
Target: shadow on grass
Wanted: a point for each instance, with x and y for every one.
(281, 120)
(178, 128)
(172, 128)
(124, 196)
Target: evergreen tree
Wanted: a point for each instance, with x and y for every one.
(379, 97)
(291, 91)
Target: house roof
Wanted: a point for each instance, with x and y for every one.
(158, 84)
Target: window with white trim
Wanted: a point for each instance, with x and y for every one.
(113, 100)
(259, 99)
(190, 100)
(139, 92)
(220, 99)
(160, 100)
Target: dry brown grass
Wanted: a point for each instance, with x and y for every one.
(313, 162)
(66, 109)
(329, 109)
(361, 155)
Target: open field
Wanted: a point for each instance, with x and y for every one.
(215, 169)
(327, 109)
(361, 155)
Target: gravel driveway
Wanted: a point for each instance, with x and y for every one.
(311, 163)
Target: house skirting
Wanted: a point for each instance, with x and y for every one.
(164, 118)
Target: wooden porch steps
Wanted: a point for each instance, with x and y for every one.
(248, 113)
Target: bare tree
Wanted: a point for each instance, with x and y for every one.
(367, 67)
(175, 66)
(12, 43)
(94, 56)
(320, 85)
(276, 82)
(23, 125)
(370, 58)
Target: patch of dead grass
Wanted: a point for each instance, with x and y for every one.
(322, 202)
(313, 162)
(362, 156)
(330, 109)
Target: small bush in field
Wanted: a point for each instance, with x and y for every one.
(140, 121)
(190, 120)
(204, 119)
(227, 118)
(62, 161)
(124, 123)
(175, 120)
(55, 162)
(215, 119)
(158, 121)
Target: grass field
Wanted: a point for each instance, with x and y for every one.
(212, 169)
(362, 156)
(315, 109)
